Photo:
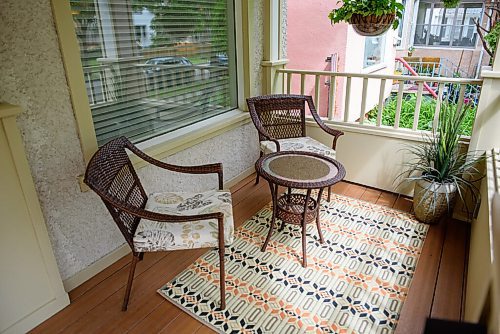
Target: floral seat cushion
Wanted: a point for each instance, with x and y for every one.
(305, 144)
(162, 236)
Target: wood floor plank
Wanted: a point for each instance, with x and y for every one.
(387, 199)
(417, 306)
(158, 319)
(205, 330)
(340, 188)
(354, 190)
(100, 277)
(183, 324)
(371, 195)
(403, 203)
(447, 303)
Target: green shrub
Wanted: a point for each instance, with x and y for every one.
(426, 116)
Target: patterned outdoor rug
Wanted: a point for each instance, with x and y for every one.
(356, 282)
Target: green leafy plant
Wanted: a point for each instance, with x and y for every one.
(426, 115)
(492, 37)
(451, 3)
(366, 8)
(441, 160)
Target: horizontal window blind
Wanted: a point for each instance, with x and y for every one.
(154, 66)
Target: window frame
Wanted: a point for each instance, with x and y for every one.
(383, 41)
(453, 26)
(160, 145)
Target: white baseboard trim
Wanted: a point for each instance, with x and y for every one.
(96, 267)
(246, 173)
(104, 262)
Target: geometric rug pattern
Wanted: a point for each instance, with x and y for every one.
(356, 282)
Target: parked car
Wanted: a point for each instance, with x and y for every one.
(167, 71)
(219, 59)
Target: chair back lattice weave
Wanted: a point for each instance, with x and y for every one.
(281, 116)
(111, 175)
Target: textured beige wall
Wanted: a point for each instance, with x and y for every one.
(32, 76)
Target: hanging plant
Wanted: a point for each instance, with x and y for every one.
(451, 3)
(369, 17)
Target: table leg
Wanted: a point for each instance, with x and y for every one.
(274, 194)
(318, 224)
(283, 223)
(304, 225)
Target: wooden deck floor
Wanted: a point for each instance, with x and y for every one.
(436, 290)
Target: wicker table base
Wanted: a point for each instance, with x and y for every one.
(299, 170)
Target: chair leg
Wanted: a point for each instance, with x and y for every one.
(222, 269)
(135, 259)
(141, 256)
(329, 193)
(257, 178)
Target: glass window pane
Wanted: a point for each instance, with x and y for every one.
(465, 36)
(424, 13)
(374, 51)
(420, 35)
(151, 67)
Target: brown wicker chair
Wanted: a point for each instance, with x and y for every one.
(190, 219)
(281, 123)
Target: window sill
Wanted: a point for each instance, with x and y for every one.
(162, 146)
(374, 68)
(442, 47)
(165, 145)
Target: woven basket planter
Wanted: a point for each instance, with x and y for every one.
(432, 200)
(371, 25)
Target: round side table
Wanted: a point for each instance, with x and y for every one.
(298, 170)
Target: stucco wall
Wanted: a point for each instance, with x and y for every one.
(310, 40)
(33, 77)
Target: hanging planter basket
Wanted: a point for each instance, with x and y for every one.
(371, 25)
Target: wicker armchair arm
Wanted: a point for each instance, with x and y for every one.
(215, 168)
(335, 133)
(161, 217)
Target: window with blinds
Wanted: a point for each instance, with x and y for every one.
(154, 66)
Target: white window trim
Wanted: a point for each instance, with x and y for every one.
(167, 145)
(416, 6)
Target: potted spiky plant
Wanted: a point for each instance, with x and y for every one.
(369, 17)
(441, 168)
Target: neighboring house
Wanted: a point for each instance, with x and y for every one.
(142, 25)
(315, 44)
(446, 33)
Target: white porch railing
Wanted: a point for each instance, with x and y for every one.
(455, 90)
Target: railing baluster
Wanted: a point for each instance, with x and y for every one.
(91, 89)
(363, 101)
(316, 91)
(439, 100)
(461, 96)
(288, 83)
(331, 97)
(347, 99)
(418, 104)
(302, 83)
(399, 104)
(381, 96)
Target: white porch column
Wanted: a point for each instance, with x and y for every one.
(485, 136)
(273, 42)
(31, 289)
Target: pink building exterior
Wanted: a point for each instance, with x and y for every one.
(311, 39)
